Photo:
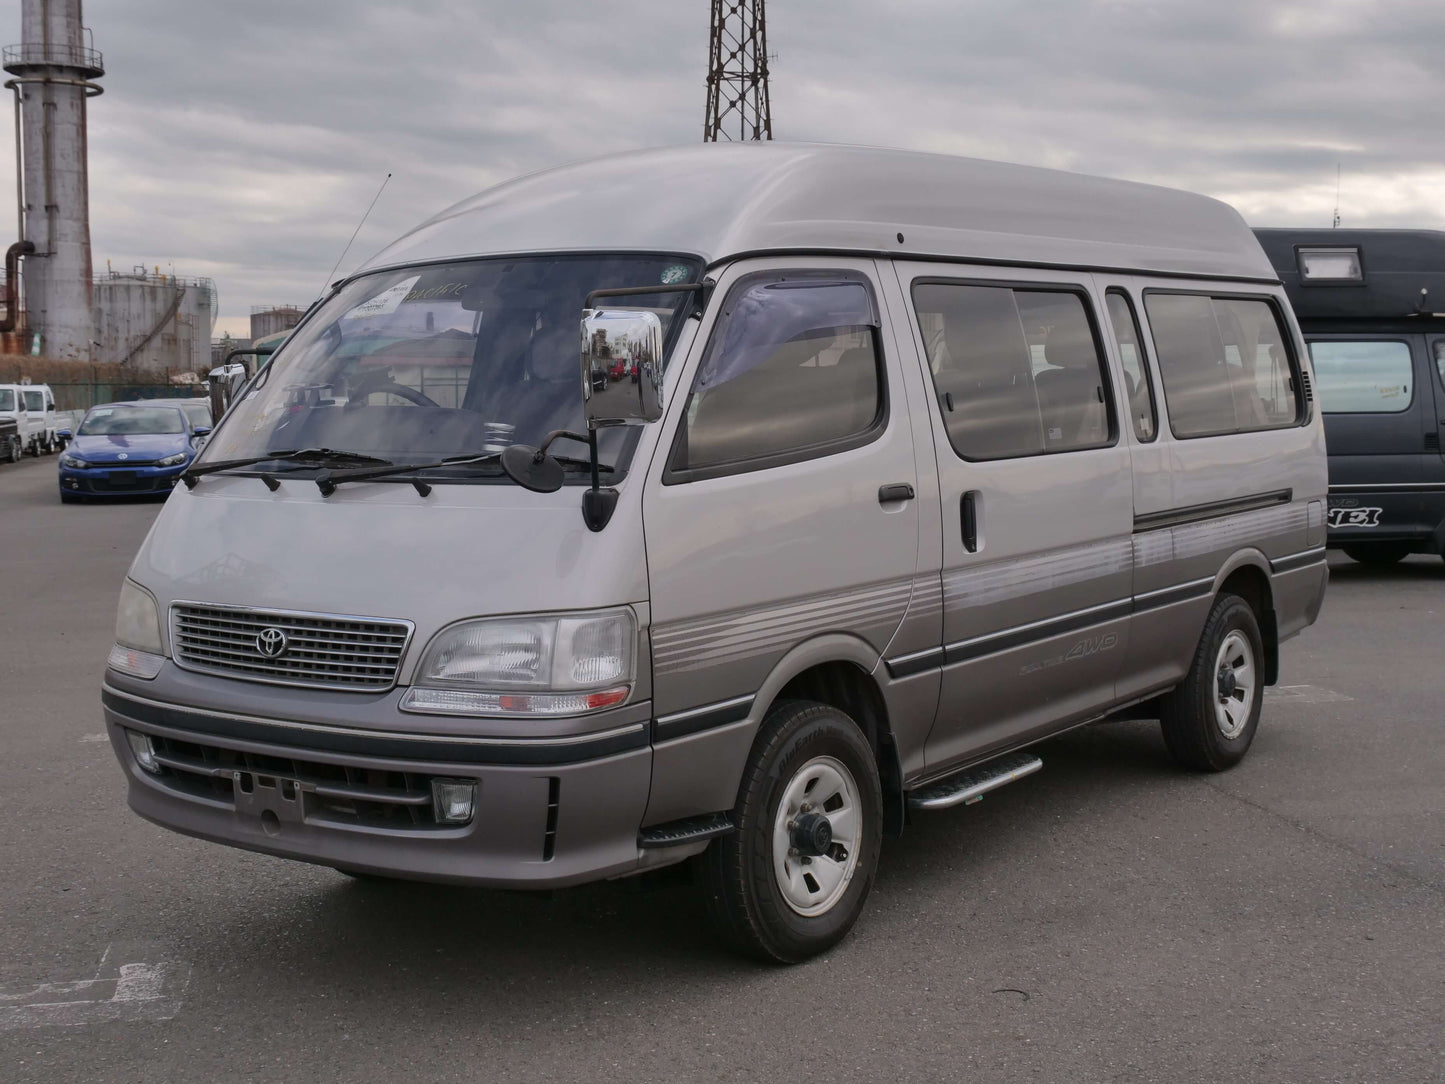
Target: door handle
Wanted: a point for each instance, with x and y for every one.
(968, 509)
(898, 491)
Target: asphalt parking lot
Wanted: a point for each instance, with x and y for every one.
(1109, 918)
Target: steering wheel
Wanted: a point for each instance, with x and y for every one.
(401, 391)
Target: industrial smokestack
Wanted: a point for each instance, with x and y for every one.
(55, 72)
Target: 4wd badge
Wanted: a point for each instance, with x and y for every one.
(1354, 517)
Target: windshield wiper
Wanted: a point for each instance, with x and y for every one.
(304, 455)
(328, 480)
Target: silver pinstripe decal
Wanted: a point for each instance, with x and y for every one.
(927, 597)
(1029, 575)
(1198, 539)
(682, 646)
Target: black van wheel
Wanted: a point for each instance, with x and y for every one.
(792, 880)
(1377, 553)
(1210, 719)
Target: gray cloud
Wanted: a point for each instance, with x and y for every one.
(244, 141)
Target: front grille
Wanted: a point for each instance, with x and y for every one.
(320, 650)
(327, 793)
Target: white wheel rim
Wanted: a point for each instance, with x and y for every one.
(1234, 684)
(812, 884)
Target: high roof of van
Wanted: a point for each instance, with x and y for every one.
(723, 200)
(1395, 274)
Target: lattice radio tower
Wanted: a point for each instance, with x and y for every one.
(738, 107)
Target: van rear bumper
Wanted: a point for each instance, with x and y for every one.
(555, 814)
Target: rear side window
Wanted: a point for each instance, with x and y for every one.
(792, 372)
(1139, 394)
(1017, 372)
(1363, 377)
(1224, 364)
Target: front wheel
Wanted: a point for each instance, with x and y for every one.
(13, 450)
(793, 878)
(1209, 721)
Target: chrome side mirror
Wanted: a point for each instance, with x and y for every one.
(621, 367)
(225, 380)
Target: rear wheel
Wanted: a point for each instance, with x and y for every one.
(1377, 553)
(793, 878)
(1210, 720)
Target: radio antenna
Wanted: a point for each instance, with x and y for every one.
(354, 232)
(1337, 196)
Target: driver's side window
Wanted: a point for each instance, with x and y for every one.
(792, 372)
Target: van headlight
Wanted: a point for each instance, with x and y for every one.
(138, 650)
(567, 664)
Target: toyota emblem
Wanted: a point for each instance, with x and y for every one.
(272, 643)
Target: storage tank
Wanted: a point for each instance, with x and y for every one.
(154, 322)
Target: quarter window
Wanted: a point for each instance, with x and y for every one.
(1440, 358)
(792, 372)
(1017, 372)
(1363, 377)
(1224, 364)
(1131, 354)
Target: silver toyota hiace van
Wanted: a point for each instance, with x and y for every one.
(728, 502)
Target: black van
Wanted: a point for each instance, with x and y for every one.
(1371, 304)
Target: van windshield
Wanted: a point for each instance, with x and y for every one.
(442, 360)
(7, 399)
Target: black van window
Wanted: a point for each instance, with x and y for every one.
(1131, 354)
(1363, 377)
(1224, 364)
(1440, 359)
(1017, 372)
(791, 372)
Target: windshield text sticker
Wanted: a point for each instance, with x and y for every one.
(384, 303)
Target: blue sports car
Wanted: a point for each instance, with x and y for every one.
(128, 449)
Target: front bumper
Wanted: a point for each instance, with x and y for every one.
(120, 481)
(549, 813)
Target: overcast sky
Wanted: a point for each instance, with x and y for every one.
(244, 141)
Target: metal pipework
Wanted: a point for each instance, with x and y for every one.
(54, 70)
(12, 282)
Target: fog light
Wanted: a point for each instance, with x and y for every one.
(145, 754)
(453, 800)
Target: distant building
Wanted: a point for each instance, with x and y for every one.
(148, 321)
(268, 320)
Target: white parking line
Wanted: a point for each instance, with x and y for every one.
(1304, 694)
(126, 992)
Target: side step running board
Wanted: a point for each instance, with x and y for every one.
(691, 830)
(969, 786)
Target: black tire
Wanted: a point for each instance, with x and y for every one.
(744, 899)
(13, 450)
(68, 498)
(1193, 716)
(1377, 553)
